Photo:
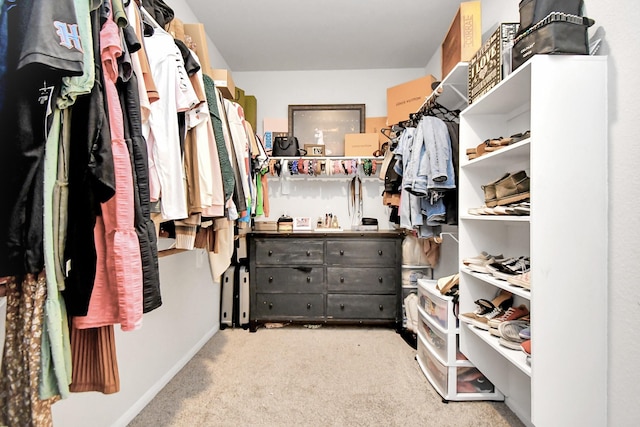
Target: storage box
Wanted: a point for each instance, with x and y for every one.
(407, 98)
(198, 37)
(223, 81)
(439, 308)
(374, 125)
(360, 144)
(464, 37)
(489, 66)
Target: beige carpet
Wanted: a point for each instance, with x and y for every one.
(295, 376)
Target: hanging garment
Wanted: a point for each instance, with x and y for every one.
(117, 292)
(162, 131)
(20, 403)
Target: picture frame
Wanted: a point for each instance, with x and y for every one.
(314, 150)
(301, 223)
(326, 124)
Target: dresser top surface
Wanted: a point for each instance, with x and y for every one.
(316, 234)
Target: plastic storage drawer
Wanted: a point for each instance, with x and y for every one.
(439, 308)
(444, 345)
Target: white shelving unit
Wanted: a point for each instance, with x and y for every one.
(562, 100)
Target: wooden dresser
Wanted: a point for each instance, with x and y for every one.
(348, 277)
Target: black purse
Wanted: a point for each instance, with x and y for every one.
(550, 27)
(286, 146)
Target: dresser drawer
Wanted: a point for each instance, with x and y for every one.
(362, 252)
(370, 280)
(340, 306)
(289, 252)
(301, 279)
(279, 306)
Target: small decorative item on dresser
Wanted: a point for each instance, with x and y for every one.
(285, 223)
(314, 150)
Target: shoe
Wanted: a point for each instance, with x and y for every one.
(520, 136)
(481, 322)
(525, 346)
(509, 333)
(490, 192)
(514, 188)
(522, 280)
(525, 334)
(481, 258)
(509, 268)
(512, 313)
(488, 308)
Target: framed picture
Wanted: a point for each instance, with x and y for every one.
(326, 124)
(314, 150)
(302, 223)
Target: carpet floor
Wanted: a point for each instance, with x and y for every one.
(296, 376)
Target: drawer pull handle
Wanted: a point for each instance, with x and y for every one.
(271, 278)
(308, 253)
(380, 252)
(270, 253)
(308, 279)
(341, 252)
(381, 307)
(342, 280)
(380, 279)
(341, 306)
(308, 306)
(270, 305)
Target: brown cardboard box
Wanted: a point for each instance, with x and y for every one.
(198, 37)
(464, 37)
(176, 29)
(487, 66)
(373, 125)
(223, 81)
(360, 144)
(407, 98)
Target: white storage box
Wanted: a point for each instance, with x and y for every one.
(438, 307)
(442, 344)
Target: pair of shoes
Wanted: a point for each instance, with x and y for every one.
(480, 258)
(522, 280)
(510, 333)
(508, 189)
(509, 268)
(512, 313)
(489, 309)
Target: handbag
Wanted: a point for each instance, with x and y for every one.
(550, 27)
(286, 146)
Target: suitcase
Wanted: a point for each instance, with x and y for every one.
(243, 296)
(227, 281)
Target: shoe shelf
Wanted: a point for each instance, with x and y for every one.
(562, 101)
(511, 154)
(516, 358)
(498, 283)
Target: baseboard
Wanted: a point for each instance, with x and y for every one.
(147, 397)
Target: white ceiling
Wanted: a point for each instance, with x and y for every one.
(277, 35)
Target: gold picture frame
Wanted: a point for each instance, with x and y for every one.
(314, 150)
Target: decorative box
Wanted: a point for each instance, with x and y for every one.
(489, 66)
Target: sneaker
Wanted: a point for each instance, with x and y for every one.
(509, 268)
(503, 300)
(509, 333)
(525, 334)
(522, 280)
(525, 346)
(512, 313)
(481, 322)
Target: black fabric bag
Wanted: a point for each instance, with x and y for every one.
(550, 27)
(286, 146)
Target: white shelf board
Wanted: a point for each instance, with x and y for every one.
(518, 152)
(516, 357)
(498, 218)
(502, 284)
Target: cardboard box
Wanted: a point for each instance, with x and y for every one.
(464, 37)
(407, 98)
(360, 144)
(223, 81)
(374, 125)
(196, 40)
(176, 29)
(488, 66)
